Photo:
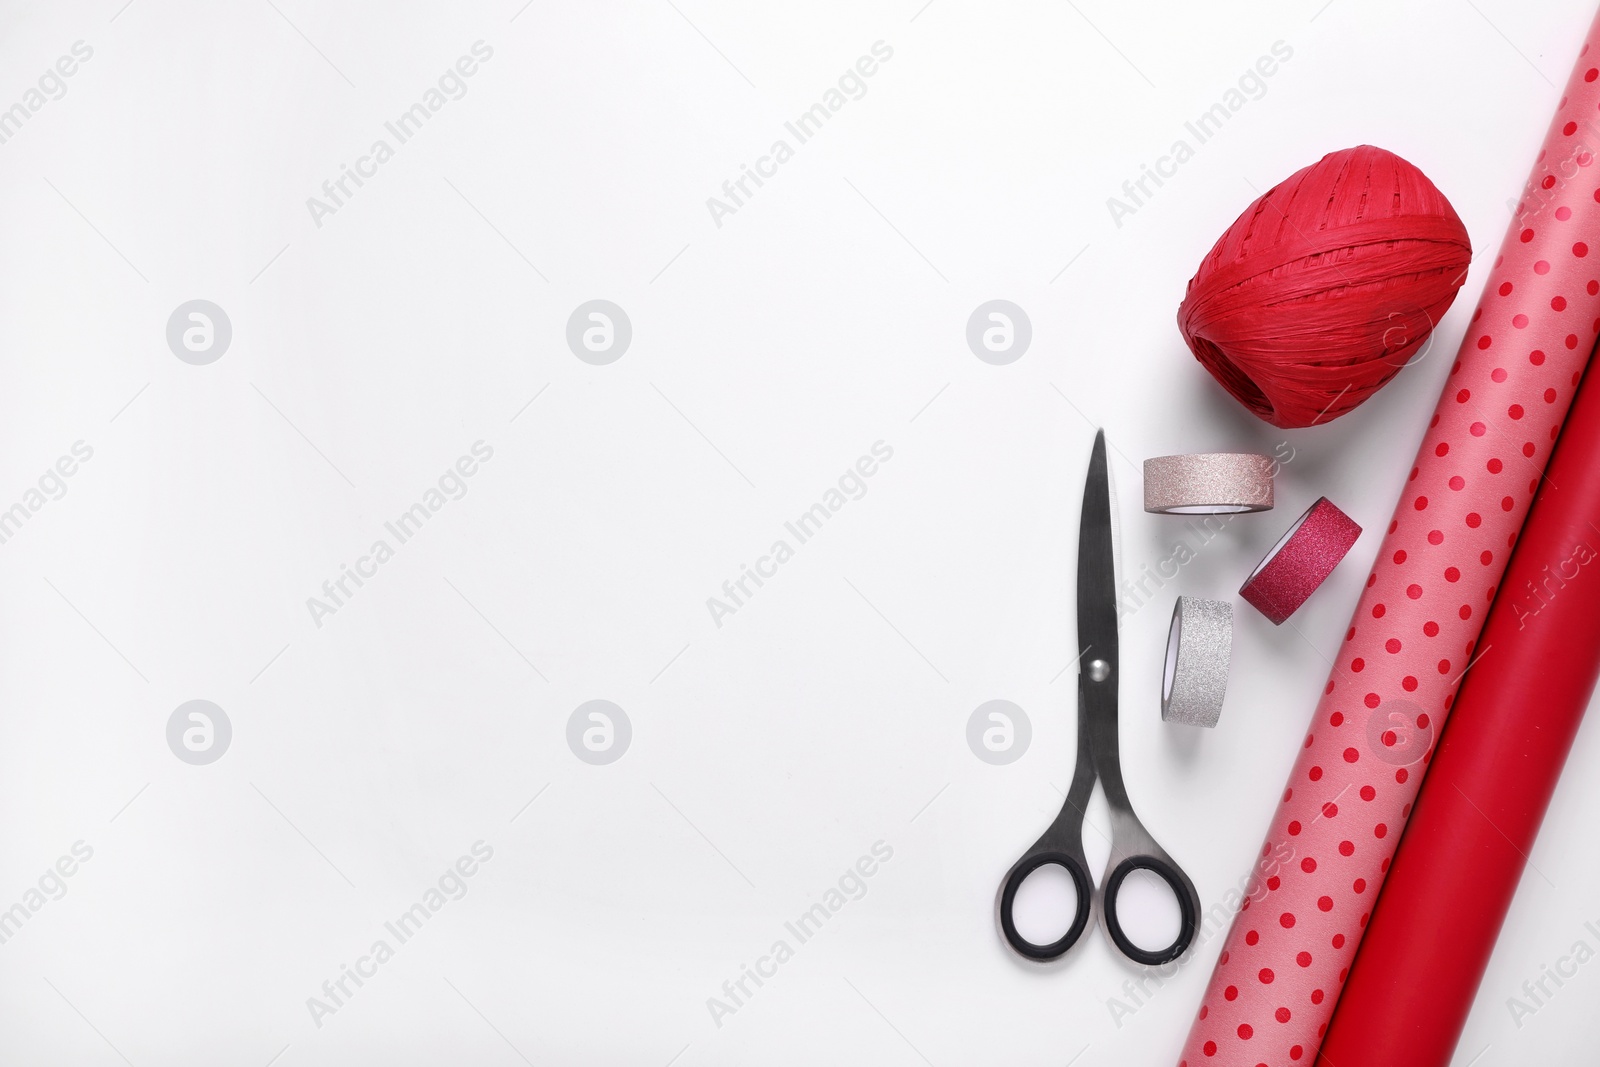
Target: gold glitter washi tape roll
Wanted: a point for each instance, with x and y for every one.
(1210, 483)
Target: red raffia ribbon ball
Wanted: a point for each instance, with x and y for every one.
(1326, 286)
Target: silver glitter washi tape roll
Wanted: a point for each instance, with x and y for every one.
(1199, 649)
(1210, 483)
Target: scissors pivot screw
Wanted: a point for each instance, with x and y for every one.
(1099, 670)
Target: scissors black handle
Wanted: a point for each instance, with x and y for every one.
(1036, 858)
(1061, 844)
(1183, 892)
(1133, 849)
(1132, 846)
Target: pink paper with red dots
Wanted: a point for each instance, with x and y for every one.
(1317, 877)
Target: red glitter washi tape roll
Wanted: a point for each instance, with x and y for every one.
(1300, 561)
(1416, 628)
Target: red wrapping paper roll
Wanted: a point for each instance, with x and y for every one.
(1490, 781)
(1416, 627)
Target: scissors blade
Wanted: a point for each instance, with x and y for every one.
(1097, 578)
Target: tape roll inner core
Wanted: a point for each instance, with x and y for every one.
(1209, 509)
(1174, 639)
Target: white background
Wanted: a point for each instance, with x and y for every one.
(768, 354)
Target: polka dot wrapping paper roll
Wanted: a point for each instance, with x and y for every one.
(1496, 766)
(1416, 627)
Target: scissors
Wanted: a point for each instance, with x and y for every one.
(1132, 847)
